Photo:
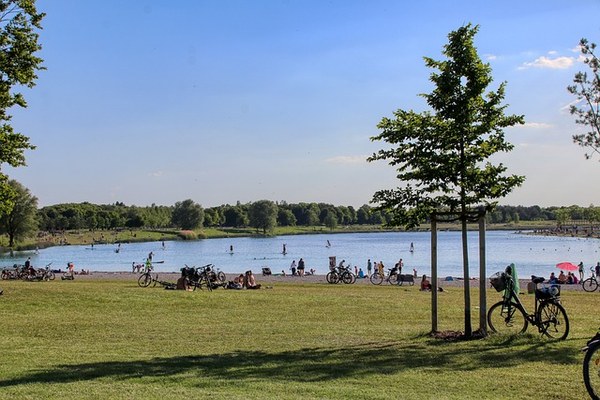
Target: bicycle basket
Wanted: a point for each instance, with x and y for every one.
(498, 281)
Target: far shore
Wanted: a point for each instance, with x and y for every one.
(87, 238)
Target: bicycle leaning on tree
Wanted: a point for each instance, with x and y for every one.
(509, 315)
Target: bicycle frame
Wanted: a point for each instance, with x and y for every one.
(533, 319)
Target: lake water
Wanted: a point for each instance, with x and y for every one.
(532, 254)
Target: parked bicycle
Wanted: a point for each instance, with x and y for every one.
(510, 316)
(340, 274)
(40, 274)
(392, 277)
(590, 284)
(591, 366)
(203, 277)
(14, 272)
(146, 279)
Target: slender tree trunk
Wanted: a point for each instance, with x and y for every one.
(467, 283)
(465, 243)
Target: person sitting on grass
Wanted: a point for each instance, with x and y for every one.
(236, 283)
(425, 284)
(183, 282)
(250, 281)
(562, 278)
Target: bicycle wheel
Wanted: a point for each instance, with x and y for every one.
(506, 319)
(590, 285)
(347, 277)
(591, 370)
(5, 275)
(353, 278)
(221, 277)
(144, 280)
(51, 276)
(332, 277)
(553, 320)
(376, 279)
(393, 280)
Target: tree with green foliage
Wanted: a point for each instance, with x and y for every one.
(19, 22)
(187, 215)
(263, 215)
(330, 220)
(442, 156)
(285, 217)
(21, 220)
(587, 91)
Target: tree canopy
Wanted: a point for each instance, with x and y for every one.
(19, 22)
(263, 215)
(441, 156)
(188, 215)
(21, 220)
(586, 89)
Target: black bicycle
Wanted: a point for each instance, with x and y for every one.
(509, 316)
(591, 366)
(393, 278)
(340, 274)
(590, 284)
(146, 279)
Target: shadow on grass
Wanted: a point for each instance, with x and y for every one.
(315, 364)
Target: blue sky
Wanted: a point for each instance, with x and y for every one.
(223, 101)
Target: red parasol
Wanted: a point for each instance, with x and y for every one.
(567, 266)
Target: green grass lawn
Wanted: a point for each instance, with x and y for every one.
(112, 339)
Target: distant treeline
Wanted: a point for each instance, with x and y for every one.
(92, 216)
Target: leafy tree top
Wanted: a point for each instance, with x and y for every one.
(441, 155)
(587, 90)
(19, 22)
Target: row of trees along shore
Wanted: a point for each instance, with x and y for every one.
(264, 215)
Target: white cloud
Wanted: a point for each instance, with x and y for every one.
(550, 63)
(490, 57)
(347, 159)
(536, 125)
(156, 174)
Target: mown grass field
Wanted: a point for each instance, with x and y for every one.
(113, 340)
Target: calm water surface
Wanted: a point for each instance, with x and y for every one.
(532, 254)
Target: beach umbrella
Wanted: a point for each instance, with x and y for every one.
(567, 266)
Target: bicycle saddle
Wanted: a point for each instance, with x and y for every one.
(537, 279)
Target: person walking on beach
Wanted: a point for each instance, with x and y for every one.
(301, 267)
(581, 270)
(293, 267)
(369, 267)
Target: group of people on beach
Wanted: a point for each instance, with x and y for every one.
(299, 269)
(570, 277)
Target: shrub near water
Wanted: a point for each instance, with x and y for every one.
(111, 339)
(187, 235)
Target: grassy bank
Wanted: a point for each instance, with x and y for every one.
(112, 339)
